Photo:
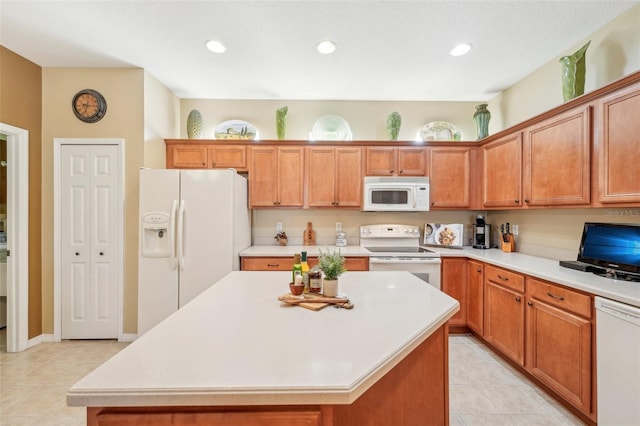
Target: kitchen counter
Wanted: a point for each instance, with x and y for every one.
(237, 345)
(546, 269)
(550, 270)
(289, 250)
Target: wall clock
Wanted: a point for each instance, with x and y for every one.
(89, 105)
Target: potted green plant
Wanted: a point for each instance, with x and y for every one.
(281, 238)
(331, 263)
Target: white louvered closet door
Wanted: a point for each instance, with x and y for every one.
(89, 240)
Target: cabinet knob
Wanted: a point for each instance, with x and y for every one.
(518, 299)
(273, 265)
(526, 201)
(391, 171)
(433, 203)
(530, 303)
(401, 171)
(516, 201)
(503, 278)
(479, 270)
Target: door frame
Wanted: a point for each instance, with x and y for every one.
(18, 241)
(57, 241)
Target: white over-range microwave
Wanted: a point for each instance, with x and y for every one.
(396, 194)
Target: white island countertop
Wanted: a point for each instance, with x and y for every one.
(236, 344)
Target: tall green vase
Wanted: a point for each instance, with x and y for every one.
(194, 124)
(481, 118)
(281, 122)
(574, 70)
(394, 121)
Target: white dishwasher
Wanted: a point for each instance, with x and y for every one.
(618, 354)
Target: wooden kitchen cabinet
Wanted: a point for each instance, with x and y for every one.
(276, 176)
(559, 341)
(617, 147)
(187, 156)
(285, 263)
(502, 172)
(557, 160)
(454, 283)
(334, 177)
(504, 312)
(395, 161)
(475, 296)
(206, 156)
(450, 177)
(227, 156)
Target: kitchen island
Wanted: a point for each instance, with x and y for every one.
(237, 355)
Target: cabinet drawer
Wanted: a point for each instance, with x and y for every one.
(350, 263)
(504, 278)
(267, 263)
(560, 297)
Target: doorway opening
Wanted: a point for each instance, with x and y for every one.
(15, 224)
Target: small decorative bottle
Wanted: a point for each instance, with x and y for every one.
(297, 267)
(305, 271)
(482, 117)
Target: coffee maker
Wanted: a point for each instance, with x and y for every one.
(481, 233)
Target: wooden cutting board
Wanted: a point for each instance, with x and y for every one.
(309, 236)
(310, 304)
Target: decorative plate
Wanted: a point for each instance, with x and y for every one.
(440, 131)
(331, 128)
(443, 234)
(235, 129)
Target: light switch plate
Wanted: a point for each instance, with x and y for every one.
(338, 226)
(278, 226)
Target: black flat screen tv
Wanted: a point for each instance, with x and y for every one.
(614, 247)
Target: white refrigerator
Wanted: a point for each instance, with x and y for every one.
(193, 223)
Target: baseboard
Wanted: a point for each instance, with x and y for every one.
(40, 339)
(127, 337)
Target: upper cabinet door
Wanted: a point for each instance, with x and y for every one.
(321, 172)
(186, 157)
(449, 177)
(348, 177)
(618, 150)
(412, 162)
(380, 161)
(502, 172)
(557, 160)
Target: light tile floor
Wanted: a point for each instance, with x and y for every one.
(484, 390)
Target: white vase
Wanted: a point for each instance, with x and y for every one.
(330, 288)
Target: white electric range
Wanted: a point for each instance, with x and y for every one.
(395, 247)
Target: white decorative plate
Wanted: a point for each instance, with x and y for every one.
(440, 131)
(331, 128)
(235, 129)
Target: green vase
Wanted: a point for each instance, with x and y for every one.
(574, 70)
(481, 118)
(281, 122)
(394, 121)
(194, 124)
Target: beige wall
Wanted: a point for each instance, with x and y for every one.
(614, 53)
(366, 119)
(124, 93)
(20, 106)
(161, 119)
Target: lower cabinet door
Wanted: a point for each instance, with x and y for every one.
(559, 352)
(475, 293)
(504, 320)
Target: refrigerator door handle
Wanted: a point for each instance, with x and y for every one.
(181, 236)
(172, 235)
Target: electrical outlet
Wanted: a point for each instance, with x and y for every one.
(278, 226)
(514, 229)
(338, 226)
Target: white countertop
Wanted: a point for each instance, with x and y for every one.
(547, 269)
(289, 250)
(236, 344)
(550, 270)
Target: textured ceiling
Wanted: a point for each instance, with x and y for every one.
(387, 50)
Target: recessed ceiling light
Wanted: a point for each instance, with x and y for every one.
(461, 49)
(326, 47)
(216, 46)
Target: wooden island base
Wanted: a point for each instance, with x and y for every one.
(414, 392)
